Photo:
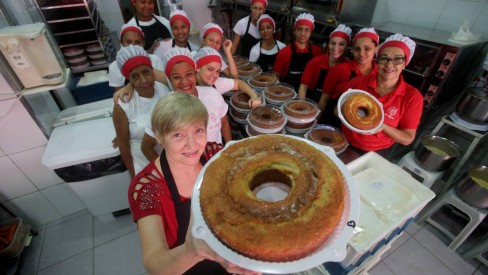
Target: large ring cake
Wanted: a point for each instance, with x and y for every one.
(279, 231)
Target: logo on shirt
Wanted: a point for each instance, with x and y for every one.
(295, 72)
(212, 117)
(391, 112)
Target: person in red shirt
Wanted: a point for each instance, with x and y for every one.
(316, 70)
(160, 195)
(364, 44)
(291, 60)
(402, 103)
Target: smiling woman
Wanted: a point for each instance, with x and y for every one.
(402, 103)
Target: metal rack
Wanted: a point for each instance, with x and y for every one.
(77, 23)
(475, 137)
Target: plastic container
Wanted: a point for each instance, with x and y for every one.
(248, 70)
(18, 241)
(328, 136)
(341, 101)
(376, 179)
(300, 111)
(266, 119)
(278, 93)
(90, 93)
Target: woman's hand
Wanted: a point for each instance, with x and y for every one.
(124, 94)
(254, 101)
(203, 251)
(227, 46)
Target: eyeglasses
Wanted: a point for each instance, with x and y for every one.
(395, 61)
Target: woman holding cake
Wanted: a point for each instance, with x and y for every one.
(212, 36)
(130, 118)
(364, 46)
(316, 70)
(265, 51)
(291, 60)
(246, 32)
(402, 103)
(209, 63)
(160, 195)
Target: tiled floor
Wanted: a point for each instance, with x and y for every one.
(81, 244)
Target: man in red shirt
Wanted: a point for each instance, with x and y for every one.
(291, 60)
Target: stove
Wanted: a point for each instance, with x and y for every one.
(472, 126)
(426, 177)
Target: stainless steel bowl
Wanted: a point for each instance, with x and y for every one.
(473, 187)
(473, 105)
(436, 153)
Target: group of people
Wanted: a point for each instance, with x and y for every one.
(170, 116)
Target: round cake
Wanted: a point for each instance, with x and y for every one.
(301, 109)
(240, 117)
(240, 60)
(279, 92)
(265, 118)
(328, 136)
(262, 79)
(249, 69)
(279, 231)
(240, 100)
(362, 111)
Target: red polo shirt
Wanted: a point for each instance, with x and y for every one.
(402, 108)
(312, 70)
(339, 76)
(282, 62)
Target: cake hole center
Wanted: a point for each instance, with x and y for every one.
(362, 112)
(266, 116)
(326, 140)
(271, 185)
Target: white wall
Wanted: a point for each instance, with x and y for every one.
(446, 15)
(27, 188)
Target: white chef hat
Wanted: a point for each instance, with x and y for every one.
(176, 55)
(206, 55)
(304, 19)
(209, 28)
(399, 41)
(266, 18)
(126, 28)
(130, 57)
(343, 32)
(367, 32)
(179, 14)
(264, 2)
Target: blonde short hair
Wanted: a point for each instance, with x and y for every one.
(175, 111)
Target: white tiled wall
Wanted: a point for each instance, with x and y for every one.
(34, 208)
(19, 131)
(13, 183)
(445, 15)
(30, 163)
(27, 188)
